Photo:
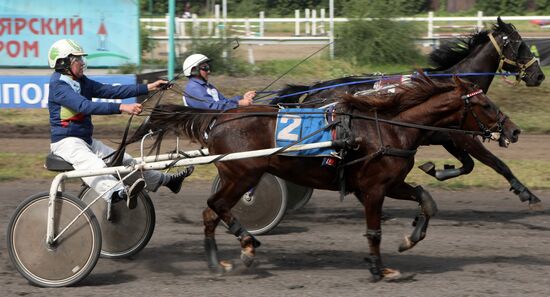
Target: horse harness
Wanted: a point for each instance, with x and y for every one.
(504, 60)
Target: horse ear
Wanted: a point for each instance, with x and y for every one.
(500, 22)
(458, 82)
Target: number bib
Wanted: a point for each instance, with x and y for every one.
(294, 124)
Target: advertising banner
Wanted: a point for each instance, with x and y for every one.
(108, 30)
(32, 91)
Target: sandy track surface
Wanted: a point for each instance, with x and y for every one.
(482, 243)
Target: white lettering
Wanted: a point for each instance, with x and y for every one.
(44, 102)
(16, 98)
(26, 94)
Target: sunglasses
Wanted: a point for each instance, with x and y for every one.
(205, 68)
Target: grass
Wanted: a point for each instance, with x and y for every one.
(14, 166)
(534, 174)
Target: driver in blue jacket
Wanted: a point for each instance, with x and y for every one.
(71, 108)
(199, 93)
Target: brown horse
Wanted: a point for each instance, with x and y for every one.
(376, 166)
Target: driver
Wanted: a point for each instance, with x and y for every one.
(71, 108)
(199, 93)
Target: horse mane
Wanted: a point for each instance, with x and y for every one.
(456, 50)
(410, 94)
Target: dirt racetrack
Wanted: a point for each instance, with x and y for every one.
(482, 243)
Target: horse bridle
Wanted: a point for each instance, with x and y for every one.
(504, 60)
(488, 133)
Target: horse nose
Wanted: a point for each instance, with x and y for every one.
(515, 135)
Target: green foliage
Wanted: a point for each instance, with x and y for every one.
(374, 42)
(384, 8)
(502, 7)
(146, 44)
(214, 49)
(543, 6)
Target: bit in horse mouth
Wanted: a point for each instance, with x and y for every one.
(504, 142)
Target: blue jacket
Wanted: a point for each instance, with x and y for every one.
(71, 112)
(203, 95)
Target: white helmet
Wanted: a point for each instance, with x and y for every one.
(193, 61)
(62, 49)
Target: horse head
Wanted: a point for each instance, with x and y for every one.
(515, 55)
(481, 114)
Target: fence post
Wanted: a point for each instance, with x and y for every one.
(430, 24)
(307, 16)
(297, 22)
(247, 27)
(479, 20)
(261, 24)
(331, 27)
(217, 17)
(314, 22)
(196, 27)
(322, 25)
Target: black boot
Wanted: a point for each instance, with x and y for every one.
(175, 180)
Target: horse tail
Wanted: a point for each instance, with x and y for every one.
(178, 119)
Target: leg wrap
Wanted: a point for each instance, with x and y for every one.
(211, 249)
(240, 232)
(428, 205)
(374, 235)
(375, 267)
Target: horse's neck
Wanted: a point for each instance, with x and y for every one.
(439, 111)
(483, 59)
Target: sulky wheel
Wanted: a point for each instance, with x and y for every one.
(264, 209)
(74, 254)
(126, 231)
(297, 195)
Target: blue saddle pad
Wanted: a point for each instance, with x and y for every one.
(294, 124)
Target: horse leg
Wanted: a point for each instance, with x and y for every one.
(372, 200)
(450, 171)
(427, 209)
(220, 205)
(480, 152)
(211, 221)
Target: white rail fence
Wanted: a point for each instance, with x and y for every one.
(314, 28)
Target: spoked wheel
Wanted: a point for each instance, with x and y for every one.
(262, 211)
(71, 258)
(298, 196)
(126, 231)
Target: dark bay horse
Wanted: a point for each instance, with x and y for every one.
(377, 165)
(501, 48)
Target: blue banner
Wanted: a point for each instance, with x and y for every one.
(108, 30)
(32, 91)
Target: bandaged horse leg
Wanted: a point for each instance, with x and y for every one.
(211, 221)
(427, 209)
(248, 242)
(449, 171)
(525, 194)
(372, 201)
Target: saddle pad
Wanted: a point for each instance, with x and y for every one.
(293, 124)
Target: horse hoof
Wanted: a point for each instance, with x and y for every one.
(406, 244)
(226, 266)
(390, 274)
(428, 168)
(247, 259)
(536, 206)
